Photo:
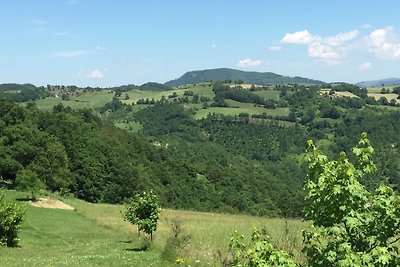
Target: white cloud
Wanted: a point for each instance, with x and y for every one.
(322, 51)
(301, 37)
(384, 43)
(275, 48)
(247, 63)
(365, 66)
(341, 38)
(330, 50)
(73, 53)
(94, 74)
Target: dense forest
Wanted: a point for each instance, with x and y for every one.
(233, 163)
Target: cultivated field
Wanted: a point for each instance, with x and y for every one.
(96, 235)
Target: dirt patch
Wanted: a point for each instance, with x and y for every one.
(50, 204)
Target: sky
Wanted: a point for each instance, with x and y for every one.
(114, 42)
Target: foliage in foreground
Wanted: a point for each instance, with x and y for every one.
(350, 226)
(259, 252)
(144, 211)
(11, 216)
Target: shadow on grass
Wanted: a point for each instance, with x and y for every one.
(26, 199)
(140, 249)
(126, 242)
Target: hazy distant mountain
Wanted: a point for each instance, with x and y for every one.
(384, 82)
(223, 74)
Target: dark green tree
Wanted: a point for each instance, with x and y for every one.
(29, 181)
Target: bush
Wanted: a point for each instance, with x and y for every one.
(177, 242)
(144, 211)
(350, 226)
(11, 216)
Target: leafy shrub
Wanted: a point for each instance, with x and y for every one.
(258, 252)
(350, 226)
(11, 216)
(144, 211)
(177, 242)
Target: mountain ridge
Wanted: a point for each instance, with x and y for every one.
(380, 82)
(223, 74)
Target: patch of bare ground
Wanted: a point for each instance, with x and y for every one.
(50, 204)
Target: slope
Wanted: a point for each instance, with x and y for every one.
(223, 74)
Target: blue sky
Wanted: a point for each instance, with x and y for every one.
(115, 42)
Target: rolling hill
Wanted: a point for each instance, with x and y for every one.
(381, 82)
(223, 74)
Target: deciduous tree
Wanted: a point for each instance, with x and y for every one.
(144, 211)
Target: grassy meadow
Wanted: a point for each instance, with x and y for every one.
(96, 235)
(85, 100)
(98, 99)
(237, 107)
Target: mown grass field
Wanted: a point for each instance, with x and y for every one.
(86, 100)
(96, 235)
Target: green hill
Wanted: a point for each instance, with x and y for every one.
(223, 74)
(381, 82)
(149, 86)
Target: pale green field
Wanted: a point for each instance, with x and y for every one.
(268, 94)
(388, 96)
(201, 89)
(238, 108)
(96, 235)
(135, 95)
(347, 94)
(378, 89)
(86, 100)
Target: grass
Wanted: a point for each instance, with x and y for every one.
(268, 94)
(237, 108)
(201, 89)
(135, 95)
(388, 96)
(131, 126)
(378, 89)
(86, 100)
(96, 235)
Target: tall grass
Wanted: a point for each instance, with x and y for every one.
(97, 235)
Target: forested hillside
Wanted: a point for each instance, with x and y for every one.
(224, 74)
(248, 163)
